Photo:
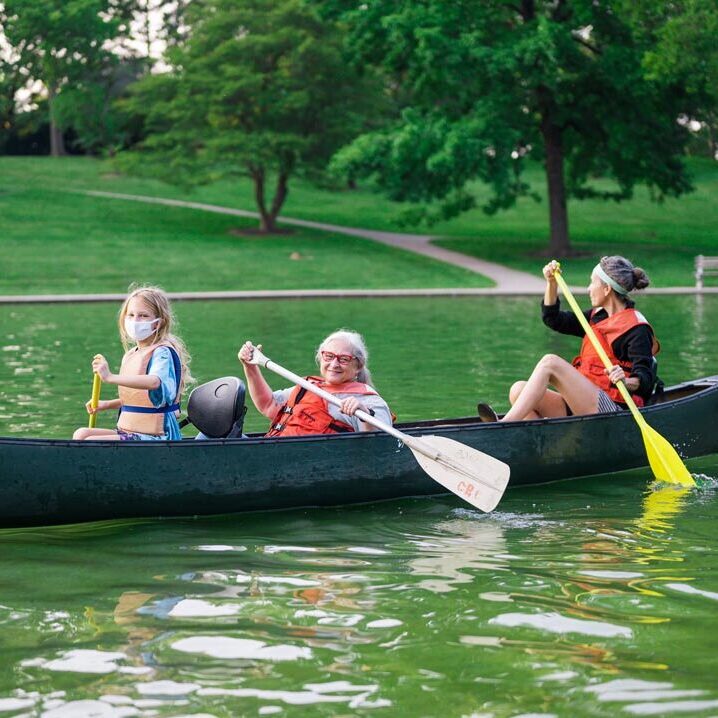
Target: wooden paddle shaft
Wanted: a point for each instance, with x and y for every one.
(410, 441)
(450, 463)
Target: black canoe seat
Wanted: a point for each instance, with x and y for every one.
(217, 408)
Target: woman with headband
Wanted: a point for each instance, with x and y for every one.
(585, 386)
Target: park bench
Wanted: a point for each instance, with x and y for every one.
(705, 266)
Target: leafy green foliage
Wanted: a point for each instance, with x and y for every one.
(259, 88)
(60, 43)
(486, 85)
(88, 106)
(685, 57)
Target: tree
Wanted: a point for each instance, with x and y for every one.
(88, 106)
(10, 82)
(685, 56)
(491, 84)
(59, 41)
(258, 88)
(153, 25)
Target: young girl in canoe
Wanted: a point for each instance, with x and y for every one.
(585, 386)
(153, 373)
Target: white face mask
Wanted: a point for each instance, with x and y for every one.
(139, 330)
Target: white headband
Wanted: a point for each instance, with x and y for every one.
(598, 269)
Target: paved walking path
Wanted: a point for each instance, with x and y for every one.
(507, 281)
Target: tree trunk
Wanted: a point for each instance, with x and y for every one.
(7, 120)
(559, 243)
(266, 220)
(148, 30)
(57, 142)
(280, 195)
(712, 138)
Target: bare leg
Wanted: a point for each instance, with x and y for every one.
(85, 433)
(514, 394)
(580, 393)
(551, 405)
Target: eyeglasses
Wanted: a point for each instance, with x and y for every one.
(343, 359)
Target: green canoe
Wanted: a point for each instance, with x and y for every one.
(50, 481)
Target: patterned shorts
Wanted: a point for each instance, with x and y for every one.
(606, 405)
(133, 436)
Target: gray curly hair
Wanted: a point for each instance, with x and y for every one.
(359, 350)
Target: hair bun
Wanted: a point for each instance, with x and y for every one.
(640, 278)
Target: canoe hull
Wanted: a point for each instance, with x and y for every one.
(54, 481)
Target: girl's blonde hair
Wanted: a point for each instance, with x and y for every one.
(158, 301)
(356, 342)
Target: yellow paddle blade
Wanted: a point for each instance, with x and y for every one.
(666, 464)
(664, 460)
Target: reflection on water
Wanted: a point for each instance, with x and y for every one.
(697, 352)
(571, 599)
(582, 606)
(459, 548)
(660, 507)
(652, 698)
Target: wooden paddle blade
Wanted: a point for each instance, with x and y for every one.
(476, 477)
(667, 466)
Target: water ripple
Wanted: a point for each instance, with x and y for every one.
(555, 623)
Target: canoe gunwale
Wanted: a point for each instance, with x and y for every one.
(688, 392)
(59, 481)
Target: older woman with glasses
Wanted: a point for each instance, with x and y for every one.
(342, 359)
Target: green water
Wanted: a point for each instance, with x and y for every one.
(430, 358)
(589, 598)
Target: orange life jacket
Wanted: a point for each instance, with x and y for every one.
(608, 330)
(307, 413)
(138, 414)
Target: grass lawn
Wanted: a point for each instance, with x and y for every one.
(663, 238)
(101, 244)
(55, 241)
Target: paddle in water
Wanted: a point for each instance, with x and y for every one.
(664, 460)
(476, 477)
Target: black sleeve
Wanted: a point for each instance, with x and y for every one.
(562, 322)
(635, 346)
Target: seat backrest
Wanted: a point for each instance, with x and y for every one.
(217, 408)
(657, 394)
